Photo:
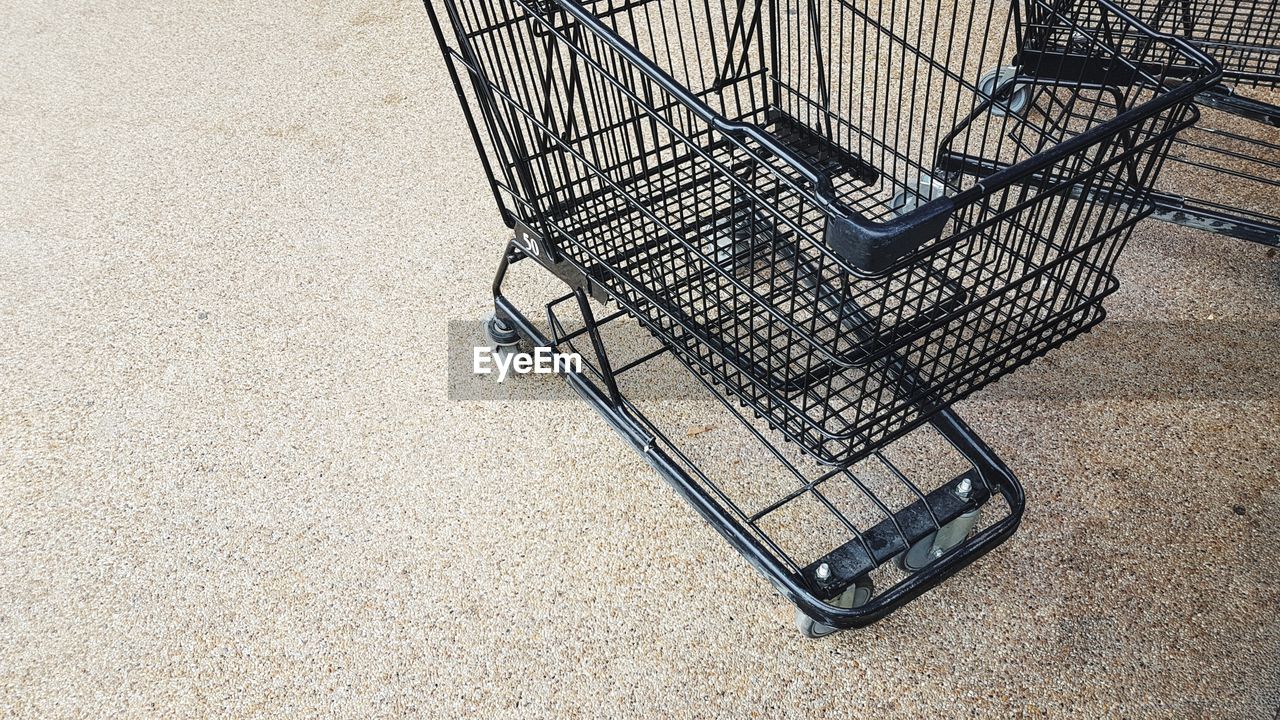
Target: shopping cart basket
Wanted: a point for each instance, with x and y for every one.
(1225, 174)
(831, 213)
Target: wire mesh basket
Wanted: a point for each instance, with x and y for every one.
(1242, 35)
(846, 215)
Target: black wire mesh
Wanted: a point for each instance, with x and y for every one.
(626, 131)
(800, 511)
(1225, 174)
(1242, 35)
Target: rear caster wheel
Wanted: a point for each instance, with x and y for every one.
(857, 595)
(939, 542)
(501, 336)
(1006, 97)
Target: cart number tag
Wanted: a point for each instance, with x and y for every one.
(528, 243)
(545, 253)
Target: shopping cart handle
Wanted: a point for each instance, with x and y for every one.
(873, 248)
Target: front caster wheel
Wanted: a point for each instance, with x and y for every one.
(917, 192)
(1006, 97)
(939, 542)
(857, 595)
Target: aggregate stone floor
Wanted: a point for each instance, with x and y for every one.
(233, 237)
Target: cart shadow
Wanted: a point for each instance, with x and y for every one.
(1156, 361)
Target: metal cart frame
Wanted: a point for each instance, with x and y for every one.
(829, 302)
(811, 587)
(1244, 36)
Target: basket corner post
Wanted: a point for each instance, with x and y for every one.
(872, 249)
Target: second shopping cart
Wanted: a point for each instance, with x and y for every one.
(1225, 171)
(841, 216)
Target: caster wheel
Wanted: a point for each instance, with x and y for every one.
(916, 193)
(1007, 98)
(939, 542)
(857, 595)
(501, 335)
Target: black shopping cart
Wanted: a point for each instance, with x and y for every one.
(1226, 169)
(833, 214)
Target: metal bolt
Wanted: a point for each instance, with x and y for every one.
(964, 488)
(823, 572)
(937, 552)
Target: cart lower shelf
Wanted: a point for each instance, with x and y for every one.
(819, 534)
(1231, 160)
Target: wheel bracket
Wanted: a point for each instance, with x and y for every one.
(883, 541)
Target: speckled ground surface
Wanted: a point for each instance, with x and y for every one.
(232, 236)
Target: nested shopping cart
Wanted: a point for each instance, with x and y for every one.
(840, 217)
(1226, 169)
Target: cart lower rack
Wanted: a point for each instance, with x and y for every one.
(840, 216)
(1225, 170)
(879, 521)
